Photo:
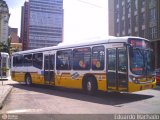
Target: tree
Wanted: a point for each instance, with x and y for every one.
(6, 47)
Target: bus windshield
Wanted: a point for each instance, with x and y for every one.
(141, 60)
(137, 62)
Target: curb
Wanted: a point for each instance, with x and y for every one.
(4, 96)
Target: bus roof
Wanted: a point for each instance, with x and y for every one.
(110, 39)
(4, 53)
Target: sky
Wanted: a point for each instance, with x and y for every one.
(83, 19)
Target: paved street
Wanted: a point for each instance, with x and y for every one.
(41, 99)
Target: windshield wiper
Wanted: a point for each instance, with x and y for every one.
(141, 52)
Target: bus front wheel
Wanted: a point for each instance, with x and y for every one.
(90, 86)
(28, 80)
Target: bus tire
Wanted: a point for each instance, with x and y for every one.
(90, 85)
(28, 80)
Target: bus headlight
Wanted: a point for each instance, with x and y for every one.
(134, 79)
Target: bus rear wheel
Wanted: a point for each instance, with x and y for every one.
(28, 80)
(90, 86)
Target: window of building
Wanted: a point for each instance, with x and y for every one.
(142, 18)
(123, 10)
(117, 28)
(136, 34)
(143, 33)
(63, 60)
(143, 3)
(37, 60)
(82, 58)
(123, 33)
(152, 3)
(117, 2)
(152, 14)
(129, 7)
(153, 32)
(129, 33)
(129, 22)
(123, 2)
(135, 4)
(98, 58)
(136, 20)
(122, 25)
(117, 14)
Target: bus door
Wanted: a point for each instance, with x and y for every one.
(49, 64)
(117, 75)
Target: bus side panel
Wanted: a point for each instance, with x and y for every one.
(18, 76)
(132, 87)
(101, 81)
(37, 78)
(65, 80)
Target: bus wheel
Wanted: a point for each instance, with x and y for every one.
(28, 80)
(91, 86)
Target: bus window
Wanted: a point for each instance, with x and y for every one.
(18, 60)
(82, 59)
(28, 60)
(122, 60)
(98, 58)
(14, 61)
(112, 59)
(37, 60)
(63, 60)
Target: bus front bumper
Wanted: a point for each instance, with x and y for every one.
(133, 87)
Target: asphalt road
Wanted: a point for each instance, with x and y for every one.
(50, 100)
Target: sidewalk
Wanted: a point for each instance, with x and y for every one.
(5, 89)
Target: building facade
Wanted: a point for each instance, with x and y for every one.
(43, 23)
(136, 18)
(16, 47)
(14, 40)
(12, 30)
(24, 26)
(4, 18)
(13, 34)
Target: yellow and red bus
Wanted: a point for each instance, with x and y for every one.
(119, 64)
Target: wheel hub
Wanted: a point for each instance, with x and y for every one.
(89, 86)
